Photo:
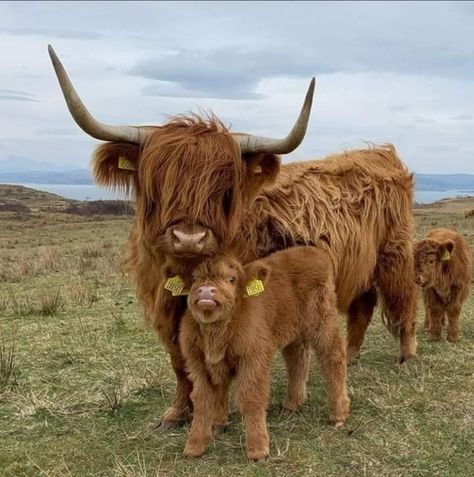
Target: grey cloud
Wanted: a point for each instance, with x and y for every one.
(16, 95)
(233, 72)
(225, 73)
(51, 32)
(423, 120)
(463, 117)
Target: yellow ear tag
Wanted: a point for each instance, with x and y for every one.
(126, 163)
(254, 287)
(176, 286)
(446, 256)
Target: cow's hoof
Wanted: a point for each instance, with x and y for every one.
(353, 354)
(173, 418)
(193, 452)
(258, 455)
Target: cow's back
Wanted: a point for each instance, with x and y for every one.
(349, 204)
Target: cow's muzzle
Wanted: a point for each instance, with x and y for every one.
(189, 242)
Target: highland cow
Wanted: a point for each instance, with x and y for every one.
(200, 189)
(468, 213)
(238, 317)
(443, 271)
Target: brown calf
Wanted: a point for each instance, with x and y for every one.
(226, 334)
(443, 271)
(468, 213)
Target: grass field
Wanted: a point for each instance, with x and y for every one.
(83, 381)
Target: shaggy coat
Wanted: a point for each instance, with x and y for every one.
(191, 177)
(443, 271)
(226, 334)
(468, 213)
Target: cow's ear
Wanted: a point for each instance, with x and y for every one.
(261, 170)
(115, 165)
(445, 249)
(259, 271)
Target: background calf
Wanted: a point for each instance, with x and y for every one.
(443, 271)
(226, 334)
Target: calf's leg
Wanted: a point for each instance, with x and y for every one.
(297, 358)
(453, 313)
(205, 397)
(330, 349)
(253, 386)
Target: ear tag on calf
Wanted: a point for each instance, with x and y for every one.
(446, 256)
(176, 286)
(125, 163)
(254, 287)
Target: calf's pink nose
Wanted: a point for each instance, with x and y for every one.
(206, 292)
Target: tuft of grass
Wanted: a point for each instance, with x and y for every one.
(51, 302)
(7, 365)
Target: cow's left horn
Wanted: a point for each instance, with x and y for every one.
(86, 121)
(250, 144)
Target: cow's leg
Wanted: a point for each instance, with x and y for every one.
(221, 407)
(205, 398)
(330, 349)
(427, 322)
(358, 318)
(252, 392)
(436, 311)
(453, 313)
(297, 358)
(396, 281)
(179, 411)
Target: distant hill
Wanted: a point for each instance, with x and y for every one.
(15, 164)
(442, 182)
(423, 182)
(77, 177)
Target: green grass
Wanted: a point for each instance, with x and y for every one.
(83, 381)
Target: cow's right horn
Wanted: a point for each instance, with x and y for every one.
(84, 119)
(253, 144)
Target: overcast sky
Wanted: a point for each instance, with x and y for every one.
(386, 72)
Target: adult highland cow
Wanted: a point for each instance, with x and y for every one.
(199, 188)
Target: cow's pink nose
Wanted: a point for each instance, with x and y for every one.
(188, 242)
(206, 292)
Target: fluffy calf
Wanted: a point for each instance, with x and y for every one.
(443, 271)
(468, 213)
(226, 334)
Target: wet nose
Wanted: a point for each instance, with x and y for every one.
(206, 292)
(188, 242)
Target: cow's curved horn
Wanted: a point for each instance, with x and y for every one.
(254, 144)
(84, 119)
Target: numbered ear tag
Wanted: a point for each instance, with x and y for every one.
(176, 286)
(126, 163)
(254, 287)
(446, 256)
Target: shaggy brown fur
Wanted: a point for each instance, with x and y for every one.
(356, 205)
(468, 213)
(226, 335)
(443, 271)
